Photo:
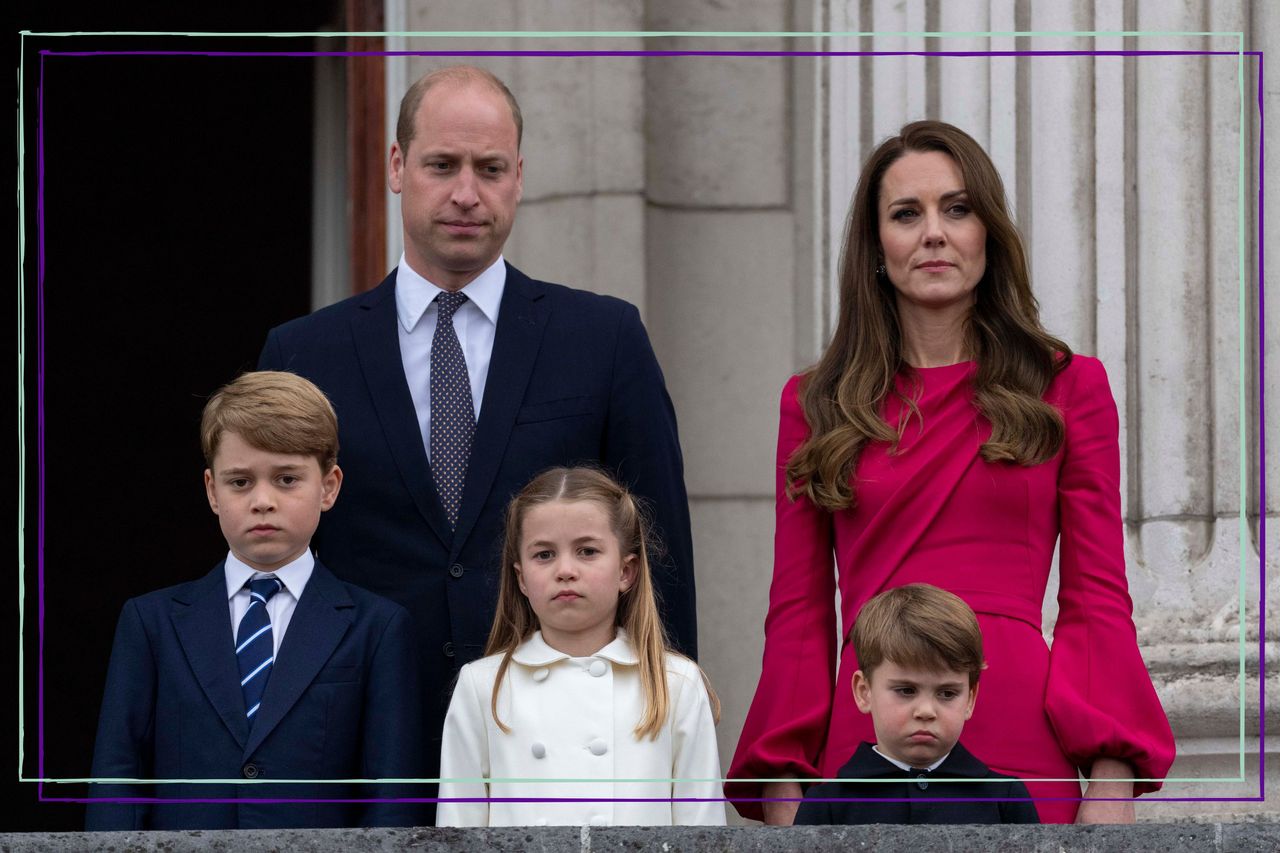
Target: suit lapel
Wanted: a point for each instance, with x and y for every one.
(377, 345)
(521, 321)
(202, 620)
(319, 622)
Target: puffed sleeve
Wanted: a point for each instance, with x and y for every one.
(787, 723)
(695, 763)
(464, 753)
(1099, 697)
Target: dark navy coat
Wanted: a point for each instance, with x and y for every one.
(572, 379)
(343, 701)
(995, 799)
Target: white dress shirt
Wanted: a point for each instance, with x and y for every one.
(902, 765)
(280, 608)
(475, 322)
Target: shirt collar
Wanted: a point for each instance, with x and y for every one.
(415, 294)
(293, 575)
(902, 765)
(535, 651)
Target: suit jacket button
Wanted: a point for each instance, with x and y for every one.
(250, 771)
(598, 668)
(923, 781)
(598, 747)
(456, 570)
(447, 648)
(538, 750)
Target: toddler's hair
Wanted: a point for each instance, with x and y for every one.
(273, 411)
(919, 626)
(514, 622)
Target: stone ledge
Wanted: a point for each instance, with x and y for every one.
(1168, 838)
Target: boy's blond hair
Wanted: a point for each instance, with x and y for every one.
(918, 626)
(273, 411)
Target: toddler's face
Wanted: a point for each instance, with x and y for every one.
(572, 570)
(918, 714)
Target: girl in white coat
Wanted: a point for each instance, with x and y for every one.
(579, 701)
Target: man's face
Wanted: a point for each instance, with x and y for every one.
(459, 182)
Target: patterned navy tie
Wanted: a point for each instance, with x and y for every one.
(453, 417)
(255, 647)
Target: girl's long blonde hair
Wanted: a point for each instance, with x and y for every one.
(514, 622)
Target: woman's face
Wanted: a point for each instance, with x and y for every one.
(935, 246)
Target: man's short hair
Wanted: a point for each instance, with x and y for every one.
(457, 74)
(918, 626)
(273, 411)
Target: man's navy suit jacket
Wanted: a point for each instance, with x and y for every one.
(343, 701)
(572, 379)
(994, 799)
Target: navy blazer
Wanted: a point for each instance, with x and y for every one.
(572, 379)
(1000, 799)
(343, 701)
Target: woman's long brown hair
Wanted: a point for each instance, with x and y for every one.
(844, 394)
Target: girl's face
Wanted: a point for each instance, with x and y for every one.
(572, 570)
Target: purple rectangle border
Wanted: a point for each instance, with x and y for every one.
(40, 382)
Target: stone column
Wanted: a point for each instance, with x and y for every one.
(721, 283)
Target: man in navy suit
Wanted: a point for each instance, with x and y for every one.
(553, 376)
(269, 667)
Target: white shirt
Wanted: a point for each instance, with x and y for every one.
(280, 608)
(572, 734)
(475, 322)
(902, 765)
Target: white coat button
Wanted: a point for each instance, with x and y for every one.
(598, 668)
(598, 820)
(538, 750)
(598, 747)
(541, 674)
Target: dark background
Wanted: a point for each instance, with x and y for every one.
(176, 231)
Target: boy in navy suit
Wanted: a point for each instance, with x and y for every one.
(268, 667)
(920, 653)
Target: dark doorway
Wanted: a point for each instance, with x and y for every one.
(174, 231)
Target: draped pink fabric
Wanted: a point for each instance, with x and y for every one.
(936, 512)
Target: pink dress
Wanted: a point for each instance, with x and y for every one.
(936, 512)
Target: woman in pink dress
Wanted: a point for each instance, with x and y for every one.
(945, 437)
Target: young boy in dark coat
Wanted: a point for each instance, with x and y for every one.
(919, 650)
(269, 667)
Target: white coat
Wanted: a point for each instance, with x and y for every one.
(572, 734)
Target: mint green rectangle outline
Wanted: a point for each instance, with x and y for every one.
(1242, 336)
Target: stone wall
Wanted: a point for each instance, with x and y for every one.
(1237, 838)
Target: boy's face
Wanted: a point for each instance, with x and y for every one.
(268, 504)
(918, 714)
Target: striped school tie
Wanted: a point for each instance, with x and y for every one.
(255, 647)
